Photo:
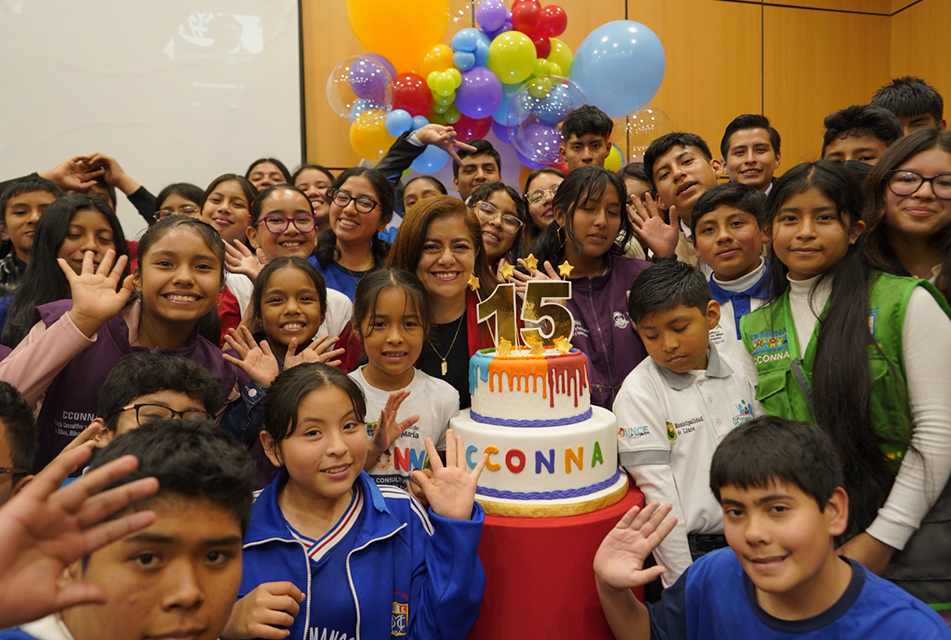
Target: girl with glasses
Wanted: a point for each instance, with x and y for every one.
(908, 204)
(540, 189)
(361, 204)
(501, 213)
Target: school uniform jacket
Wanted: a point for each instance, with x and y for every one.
(410, 574)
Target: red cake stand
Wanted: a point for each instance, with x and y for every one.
(540, 580)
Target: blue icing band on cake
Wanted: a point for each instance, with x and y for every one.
(504, 422)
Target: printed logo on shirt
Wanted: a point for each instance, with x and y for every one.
(671, 431)
(677, 429)
(399, 623)
(620, 320)
(745, 413)
(717, 336)
(633, 432)
(323, 633)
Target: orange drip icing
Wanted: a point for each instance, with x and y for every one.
(518, 371)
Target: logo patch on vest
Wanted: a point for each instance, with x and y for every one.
(769, 341)
(399, 623)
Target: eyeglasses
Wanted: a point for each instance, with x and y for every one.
(186, 210)
(488, 212)
(13, 470)
(147, 412)
(305, 223)
(906, 183)
(538, 194)
(362, 204)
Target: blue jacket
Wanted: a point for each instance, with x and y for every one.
(409, 574)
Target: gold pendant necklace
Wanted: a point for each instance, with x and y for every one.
(445, 367)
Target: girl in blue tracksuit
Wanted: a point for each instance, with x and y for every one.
(330, 554)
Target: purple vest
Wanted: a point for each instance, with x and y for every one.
(70, 402)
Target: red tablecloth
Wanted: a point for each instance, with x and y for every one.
(540, 575)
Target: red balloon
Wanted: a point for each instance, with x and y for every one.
(468, 129)
(542, 45)
(554, 20)
(561, 165)
(525, 17)
(411, 93)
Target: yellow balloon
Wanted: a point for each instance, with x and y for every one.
(560, 55)
(368, 135)
(398, 32)
(613, 161)
(437, 57)
(512, 57)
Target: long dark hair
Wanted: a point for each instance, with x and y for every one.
(483, 193)
(43, 281)
(878, 249)
(841, 378)
(582, 184)
(326, 250)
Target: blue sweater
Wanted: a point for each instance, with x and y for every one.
(409, 574)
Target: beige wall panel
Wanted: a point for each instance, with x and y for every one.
(817, 62)
(918, 35)
(713, 69)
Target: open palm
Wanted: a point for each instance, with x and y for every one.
(451, 491)
(619, 561)
(95, 290)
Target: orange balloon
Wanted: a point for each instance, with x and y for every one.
(400, 32)
(438, 57)
(368, 135)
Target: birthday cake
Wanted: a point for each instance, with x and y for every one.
(550, 452)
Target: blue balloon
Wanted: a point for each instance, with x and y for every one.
(555, 107)
(466, 40)
(430, 161)
(501, 132)
(619, 66)
(508, 92)
(360, 106)
(419, 122)
(398, 122)
(464, 60)
(482, 50)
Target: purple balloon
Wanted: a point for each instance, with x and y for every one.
(490, 14)
(501, 132)
(531, 164)
(386, 63)
(537, 141)
(480, 93)
(369, 79)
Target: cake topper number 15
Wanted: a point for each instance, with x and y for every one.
(537, 305)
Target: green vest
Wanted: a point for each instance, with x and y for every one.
(785, 371)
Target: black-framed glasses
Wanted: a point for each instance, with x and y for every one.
(537, 194)
(305, 223)
(13, 471)
(488, 212)
(186, 210)
(903, 182)
(147, 412)
(362, 204)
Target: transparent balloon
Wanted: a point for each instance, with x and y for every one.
(535, 112)
(634, 133)
(359, 80)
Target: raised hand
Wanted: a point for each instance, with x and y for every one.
(659, 236)
(619, 562)
(74, 174)
(521, 278)
(94, 290)
(239, 259)
(451, 491)
(256, 360)
(261, 612)
(44, 529)
(443, 137)
(113, 172)
(319, 350)
(388, 429)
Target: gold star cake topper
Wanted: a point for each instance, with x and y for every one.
(531, 263)
(504, 348)
(506, 270)
(537, 347)
(563, 344)
(473, 282)
(564, 269)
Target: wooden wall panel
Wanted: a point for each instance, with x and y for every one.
(817, 62)
(917, 37)
(883, 7)
(713, 69)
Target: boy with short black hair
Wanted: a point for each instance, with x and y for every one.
(476, 168)
(780, 487)
(860, 133)
(675, 407)
(17, 441)
(728, 226)
(179, 576)
(586, 137)
(751, 151)
(145, 387)
(22, 203)
(913, 101)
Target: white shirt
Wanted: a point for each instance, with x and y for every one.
(724, 335)
(669, 425)
(338, 313)
(434, 401)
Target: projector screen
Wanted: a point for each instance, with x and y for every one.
(175, 91)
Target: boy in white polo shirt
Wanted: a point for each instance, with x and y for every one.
(675, 408)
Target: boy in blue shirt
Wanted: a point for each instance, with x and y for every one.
(780, 486)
